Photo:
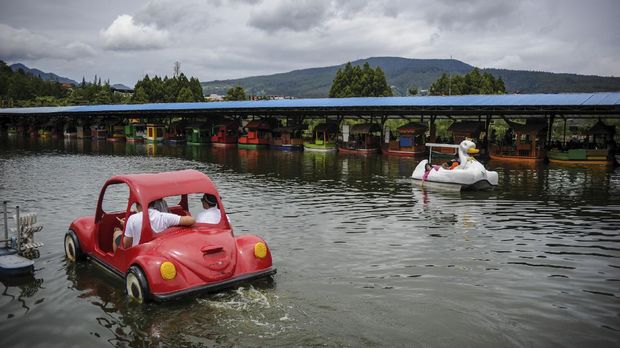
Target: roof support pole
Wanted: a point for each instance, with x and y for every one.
(550, 129)
(487, 124)
(432, 129)
(564, 137)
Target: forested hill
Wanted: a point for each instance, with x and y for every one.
(403, 73)
(43, 75)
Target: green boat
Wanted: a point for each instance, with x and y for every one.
(134, 132)
(198, 134)
(324, 139)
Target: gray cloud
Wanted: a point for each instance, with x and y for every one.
(295, 15)
(20, 44)
(220, 39)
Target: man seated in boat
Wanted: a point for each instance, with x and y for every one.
(159, 218)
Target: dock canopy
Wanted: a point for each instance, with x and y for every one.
(413, 127)
(364, 128)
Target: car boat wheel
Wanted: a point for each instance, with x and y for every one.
(72, 247)
(136, 285)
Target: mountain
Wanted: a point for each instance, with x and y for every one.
(402, 73)
(41, 74)
(121, 87)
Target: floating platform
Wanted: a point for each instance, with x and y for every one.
(11, 264)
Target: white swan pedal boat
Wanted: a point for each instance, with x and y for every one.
(469, 175)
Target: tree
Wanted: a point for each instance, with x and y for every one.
(139, 96)
(413, 90)
(355, 81)
(471, 83)
(235, 93)
(185, 95)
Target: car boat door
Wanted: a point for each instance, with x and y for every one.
(113, 206)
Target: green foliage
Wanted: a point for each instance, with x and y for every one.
(185, 95)
(24, 89)
(353, 81)
(167, 90)
(471, 83)
(413, 90)
(235, 93)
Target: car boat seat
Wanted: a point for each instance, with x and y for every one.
(161, 205)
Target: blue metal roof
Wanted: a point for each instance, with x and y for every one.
(466, 101)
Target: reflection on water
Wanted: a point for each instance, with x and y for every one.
(365, 256)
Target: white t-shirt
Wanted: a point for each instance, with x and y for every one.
(159, 223)
(210, 216)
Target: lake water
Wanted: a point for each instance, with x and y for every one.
(364, 256)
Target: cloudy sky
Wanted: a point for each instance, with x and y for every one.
(220, 39)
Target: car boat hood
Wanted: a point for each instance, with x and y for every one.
(199, 253)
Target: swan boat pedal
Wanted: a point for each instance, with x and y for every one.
(469, 175)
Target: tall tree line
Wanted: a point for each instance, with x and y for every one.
(356, 81)
(167, 90)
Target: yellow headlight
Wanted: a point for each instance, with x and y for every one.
(260, 250)
(167, 270)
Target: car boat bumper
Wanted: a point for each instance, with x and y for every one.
(214, 287)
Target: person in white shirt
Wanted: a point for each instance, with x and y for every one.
(211, 214)
(159, 221)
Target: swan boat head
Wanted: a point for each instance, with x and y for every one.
(466, 149)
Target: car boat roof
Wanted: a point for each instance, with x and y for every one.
(453, 146)
(151, 186)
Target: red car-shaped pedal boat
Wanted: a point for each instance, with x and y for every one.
(178, 261)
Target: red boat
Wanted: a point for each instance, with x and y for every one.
(177, 262)
(226, 134)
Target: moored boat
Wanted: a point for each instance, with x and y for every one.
(409, 142)
(324, 138)
(287, 139)
(360, 138)
(116, 133)
(226, 134)
(525, 146)
(135, 132)
(258, 135)
(597, 148)
(154, 133)
(198, 133)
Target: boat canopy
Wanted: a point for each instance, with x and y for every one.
(258, 125)
(326, 127)
(531, 126)
(291, 128)
(601, 128)
(413, 128)
(227, 123)
(467, 127)
(364, 128)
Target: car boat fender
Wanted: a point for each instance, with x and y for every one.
(253, 254)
